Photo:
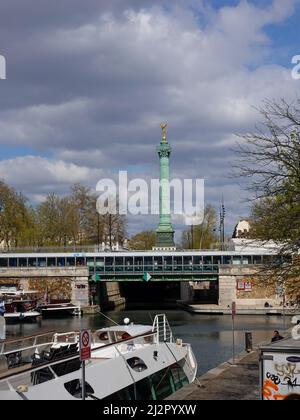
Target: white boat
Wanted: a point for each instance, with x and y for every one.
(21, 316)
(59, 310)
(128, 362)
(20, 306)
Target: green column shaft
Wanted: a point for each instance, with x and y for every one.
(164, 231)
(164, 191)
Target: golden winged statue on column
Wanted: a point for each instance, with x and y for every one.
(164, 126)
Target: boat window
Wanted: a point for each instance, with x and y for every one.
(148, 339)
(103, 336)
(123, 336)
(41, 376)
(74, 388)
(143, 390)
(156, 387)
(161, 384)
(178, 376)
(66, 367)
(137, 364)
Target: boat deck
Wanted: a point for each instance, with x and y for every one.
(15, 371)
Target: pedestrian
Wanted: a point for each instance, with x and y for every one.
(276, 337)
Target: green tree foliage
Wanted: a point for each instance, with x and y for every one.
(57, 221)
(143, 240)
(14, 217)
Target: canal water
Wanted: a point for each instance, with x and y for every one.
(209, 335)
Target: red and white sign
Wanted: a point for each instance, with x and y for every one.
(233, 309)
(85, 344)
(240, 285)
(248, 286)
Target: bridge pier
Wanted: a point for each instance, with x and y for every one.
(186, 291)
(109, 295)
(56, 283)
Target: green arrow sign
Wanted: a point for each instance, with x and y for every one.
(96, 277)
(147, 277)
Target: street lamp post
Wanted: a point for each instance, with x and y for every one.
(98, 231)
(283, 304)
(222, 225)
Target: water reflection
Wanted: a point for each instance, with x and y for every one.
(210, 336)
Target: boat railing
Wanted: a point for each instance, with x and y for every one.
(29, 376)
(68, 337)
(10, 346)
(162, 328)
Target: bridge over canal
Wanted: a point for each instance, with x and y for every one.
(205, 276)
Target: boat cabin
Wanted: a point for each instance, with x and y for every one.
(119, 333)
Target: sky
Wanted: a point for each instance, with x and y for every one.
(88, 84)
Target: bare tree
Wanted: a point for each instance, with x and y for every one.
(202, 236)
(270, 158)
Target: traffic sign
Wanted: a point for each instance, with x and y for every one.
(85, 344)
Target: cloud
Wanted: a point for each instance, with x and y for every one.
(89, 84)
(36, 176)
